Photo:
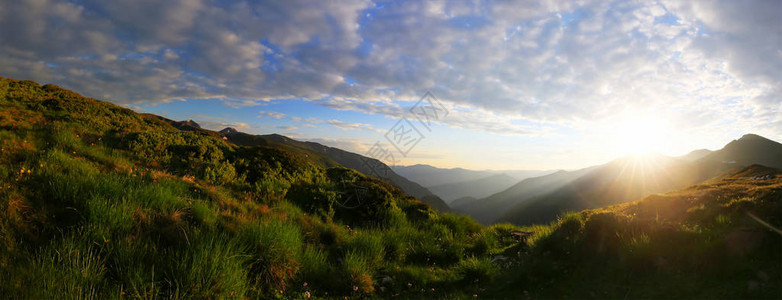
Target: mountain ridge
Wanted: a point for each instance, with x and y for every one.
(608, 186)
(348, 159)
(478, 188)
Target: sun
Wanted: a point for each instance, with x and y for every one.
(638, 134)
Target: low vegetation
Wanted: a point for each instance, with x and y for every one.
(97, 201)
(716, 240)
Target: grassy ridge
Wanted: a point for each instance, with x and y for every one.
(708, 241)
(97, 201)
(100, 202)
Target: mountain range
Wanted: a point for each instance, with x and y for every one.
(455, 183)
(492, 196)
(542, 199)
(477, 188)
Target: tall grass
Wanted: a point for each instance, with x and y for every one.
(68, 267)
(367, 244)
(358, 273)
(275, 249)
(211, 267)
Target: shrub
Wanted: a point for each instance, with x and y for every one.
(475, 270)
(482, 244)
(603, 232)
(460, 225)
(312, 198)
(358, 273)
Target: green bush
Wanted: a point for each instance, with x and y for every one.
(476, 270)
(358, 274)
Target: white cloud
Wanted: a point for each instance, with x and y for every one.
(567, 63)
(272, 114)
(349, 126)
(352, 145)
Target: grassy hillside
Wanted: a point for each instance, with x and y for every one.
(97, 201)
(716, 240)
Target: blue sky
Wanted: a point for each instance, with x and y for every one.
(526, 84)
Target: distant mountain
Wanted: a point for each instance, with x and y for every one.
(188, 125)
(428, 176)
(749, 149)
(696, 154)
(487, 210)
(330, 156)
(630, 178)
(229, 130)
(462, 201)
(524, 174)
(478, 188)
(621, 180)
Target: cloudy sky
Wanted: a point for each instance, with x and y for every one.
(525, 84)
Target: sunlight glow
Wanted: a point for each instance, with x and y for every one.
(638, 134)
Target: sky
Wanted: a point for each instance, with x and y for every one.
(472, 84)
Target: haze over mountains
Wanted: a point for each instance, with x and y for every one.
(541, 196)
(542, 199)
(477, 188)
(455, 183)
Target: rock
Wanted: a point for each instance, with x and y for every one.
(521, 235)
(764, 177)
(189, 123)
(229, 130)
(499, 258)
